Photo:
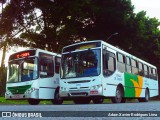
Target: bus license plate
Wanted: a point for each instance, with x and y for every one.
(16, 96)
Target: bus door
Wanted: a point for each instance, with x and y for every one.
(46, 81)
(109, 68)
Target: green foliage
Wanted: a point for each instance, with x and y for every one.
(110, 16)
(62, 22)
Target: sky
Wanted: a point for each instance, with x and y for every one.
(152, 7)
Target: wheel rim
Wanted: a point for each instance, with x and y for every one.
(147, 96)
(58, 97)
(118, 96)
(101, 99)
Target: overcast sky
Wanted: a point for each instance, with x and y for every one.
(152, 7)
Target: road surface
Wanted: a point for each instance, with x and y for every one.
(133, 111)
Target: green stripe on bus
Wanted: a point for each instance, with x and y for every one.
(19, 89)
(133, 85)
(130, 91)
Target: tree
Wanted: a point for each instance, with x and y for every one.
(7, 27)
(59, 23)
(2, 68)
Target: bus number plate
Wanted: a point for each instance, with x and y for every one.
(16, 96)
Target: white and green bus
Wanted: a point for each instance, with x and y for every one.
(33, 75)
(95, 70)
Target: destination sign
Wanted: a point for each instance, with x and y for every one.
(82, 46)
(22, 54)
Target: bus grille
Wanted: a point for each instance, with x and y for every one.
(19, 89)
(79, 93)
(75, 88)
(84, 81)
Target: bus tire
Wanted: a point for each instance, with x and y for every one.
(57, 99)
(119, 96)
(123, 100)
(82, 101)
(146, 98)
(33, 101)
(98, 100)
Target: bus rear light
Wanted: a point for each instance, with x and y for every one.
(94, 92)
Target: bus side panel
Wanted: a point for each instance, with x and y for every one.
(47, 87)
(46, 93)
(153, 92)
(136, 85)
(133, 85)
(152, 85)
(110, 84)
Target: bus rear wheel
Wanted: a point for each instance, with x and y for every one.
(98, 100)
(118, 97)
(57, 99)
(146, 98)
(33, 101)
(82, 101)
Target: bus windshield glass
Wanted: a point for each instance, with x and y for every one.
(23, 70)
(81, 64)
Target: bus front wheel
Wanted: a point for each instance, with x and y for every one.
(119, 96)
(57, 99)
(98, 100)
(33, 101)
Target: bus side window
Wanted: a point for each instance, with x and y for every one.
(140, 69)
(109, 63)
(121, 62)
(46, 66)
(128, 65)
(145, 70)
(154, 74)
(149, 72)
(134, 66)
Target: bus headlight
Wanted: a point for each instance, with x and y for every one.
(8, 92)
(30, 90)
(63, 89)
(96, 87)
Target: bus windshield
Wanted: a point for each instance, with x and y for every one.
(81, 64)
(23, 70)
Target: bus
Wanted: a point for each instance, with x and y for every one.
(33, 75)
(94, 70)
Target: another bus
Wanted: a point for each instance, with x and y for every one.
(33, 75)
(95, 70)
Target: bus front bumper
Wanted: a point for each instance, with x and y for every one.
(33, 95)
(81, 93)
